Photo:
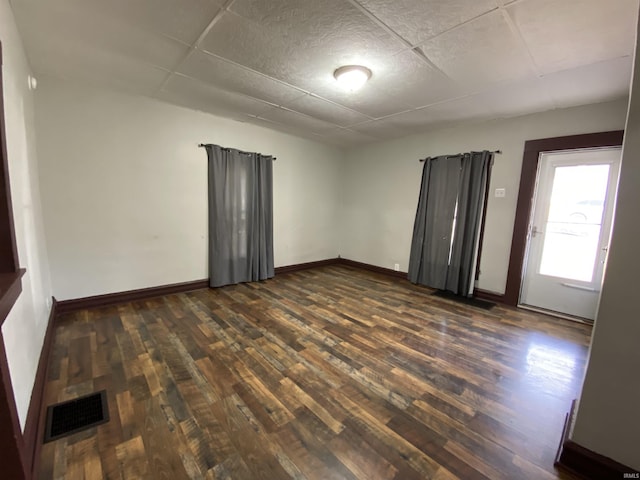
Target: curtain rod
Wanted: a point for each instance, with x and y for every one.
(498, 152)
(241, 151)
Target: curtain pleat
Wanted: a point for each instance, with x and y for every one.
(471, 193)
(428, 262)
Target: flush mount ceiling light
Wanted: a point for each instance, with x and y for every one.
(352, 77)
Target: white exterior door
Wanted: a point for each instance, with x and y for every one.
(569, 230)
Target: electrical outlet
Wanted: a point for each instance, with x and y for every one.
(501, 192)
(396, 267)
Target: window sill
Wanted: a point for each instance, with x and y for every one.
(10, 289)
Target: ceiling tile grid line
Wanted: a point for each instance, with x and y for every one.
(434, 62)
(575, 33)
(175, 72)
(285, 105)
(435, 104)
(600, 62)
(276, 113)
(280, 124)
(199, 40)
(518, 35)
(294, 87)
(224, 9)
(522, 41)
(453, 28)
(258, 25)
(226, 60)
(419, 53)
(401, 39)
(493, 90)
(222, 90)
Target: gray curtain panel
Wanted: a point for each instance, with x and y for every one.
(240, 216)
(429, 258)
(442, 251)
(472, 187)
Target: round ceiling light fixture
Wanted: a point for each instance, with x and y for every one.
(352, 77)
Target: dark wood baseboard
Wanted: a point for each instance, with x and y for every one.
(372, 268)
(586, 463)
(590, 465)
(66, 306)
(34, 425)
(489, 296)
(305, 266)
(568, 419)
(340, 261)
(477, 292)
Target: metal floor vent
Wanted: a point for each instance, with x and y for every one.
(76, 415)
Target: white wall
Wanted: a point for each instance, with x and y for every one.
(26, 324)
(124, 189)
(381, 183)
(607, 419)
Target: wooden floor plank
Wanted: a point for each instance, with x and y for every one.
(331, 372)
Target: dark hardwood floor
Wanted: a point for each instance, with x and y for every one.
(329, 373)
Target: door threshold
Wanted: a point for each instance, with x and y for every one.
(553, 313)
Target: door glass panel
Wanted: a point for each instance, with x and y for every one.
(572, 231)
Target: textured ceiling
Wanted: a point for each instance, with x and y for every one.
(271, 62)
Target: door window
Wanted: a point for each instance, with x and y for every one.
(572, 239)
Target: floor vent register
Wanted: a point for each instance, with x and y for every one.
(76, 415)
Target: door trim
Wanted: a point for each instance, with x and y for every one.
(532, 150)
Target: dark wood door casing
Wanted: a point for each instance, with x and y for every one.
(8, 249)
(532, 150)
(11, 440)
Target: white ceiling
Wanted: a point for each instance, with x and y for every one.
(271, 62)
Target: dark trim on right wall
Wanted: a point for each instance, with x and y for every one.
(532, 150)
(10, 289)
(591, 465)
(10, 272)
(9, 262)
(583, 462)
(11, 441)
